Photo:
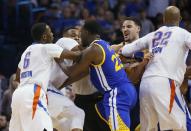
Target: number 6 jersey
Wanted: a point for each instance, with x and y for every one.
(36, 63)
(170, 47)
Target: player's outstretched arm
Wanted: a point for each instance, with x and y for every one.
(80, 69)
(57, 52)
(66, 54)
(135, 46)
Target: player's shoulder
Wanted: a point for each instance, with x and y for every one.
(34, 46)
(183, 30)
(37, 48)
(65, 40)
(181, 33)
(173, 28)
(95, 42)
(66, 43)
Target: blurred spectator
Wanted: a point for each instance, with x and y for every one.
(112, 3)
(186, 21)
(157, 6)
(3, 87)
(44, 3)
(117, 29)
(109, 17)
(39, 15)
(67, 12)
(158, 20)
(3, 123)
(100, 13)
(85, 15)
(75, 11)
(7, 97)
(55, 11)
(54, 18)
(146, 25)
(121, 11)
(133, 7)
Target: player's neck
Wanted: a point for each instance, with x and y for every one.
(39, 42)
(130, 41)
(171, 24)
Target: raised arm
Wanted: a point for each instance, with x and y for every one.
(135, 46)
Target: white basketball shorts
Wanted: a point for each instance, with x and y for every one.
(64, 113)
(29, 110)
(161, 103)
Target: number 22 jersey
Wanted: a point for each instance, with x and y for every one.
(170, 45)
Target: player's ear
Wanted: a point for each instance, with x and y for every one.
(138, 29)
(180, 18)
(44, 37)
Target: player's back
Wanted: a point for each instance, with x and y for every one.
(35, 65)
(110, 73)
(168, 44)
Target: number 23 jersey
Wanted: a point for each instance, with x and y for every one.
(109, 73)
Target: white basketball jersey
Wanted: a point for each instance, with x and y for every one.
(36, 64)
(83, 86)
(57, 75)
(170, 47)
(67, 43)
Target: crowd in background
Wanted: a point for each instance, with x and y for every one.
(17, 16)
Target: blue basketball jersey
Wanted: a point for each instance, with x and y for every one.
(110, 73)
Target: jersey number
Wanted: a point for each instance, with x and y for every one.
(117, 62)
(26, 60)
(160, 38)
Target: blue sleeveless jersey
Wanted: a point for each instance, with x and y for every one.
(110, 73)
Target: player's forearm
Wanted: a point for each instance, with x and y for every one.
(128, 50)
(72, 79)
(135, 73)
(136, 46)
(66, 54)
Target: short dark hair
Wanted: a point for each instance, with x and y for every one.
(135, 20)
(65, 30)
(93, 27)
(37, 31)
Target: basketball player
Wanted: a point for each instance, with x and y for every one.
(66, 116)
(29, 104)
(133, 67)
(107, 75)
(160, 98)
(86, 94)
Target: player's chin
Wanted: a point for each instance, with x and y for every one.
(126, 38)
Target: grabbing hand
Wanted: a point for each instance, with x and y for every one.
(148, 56)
